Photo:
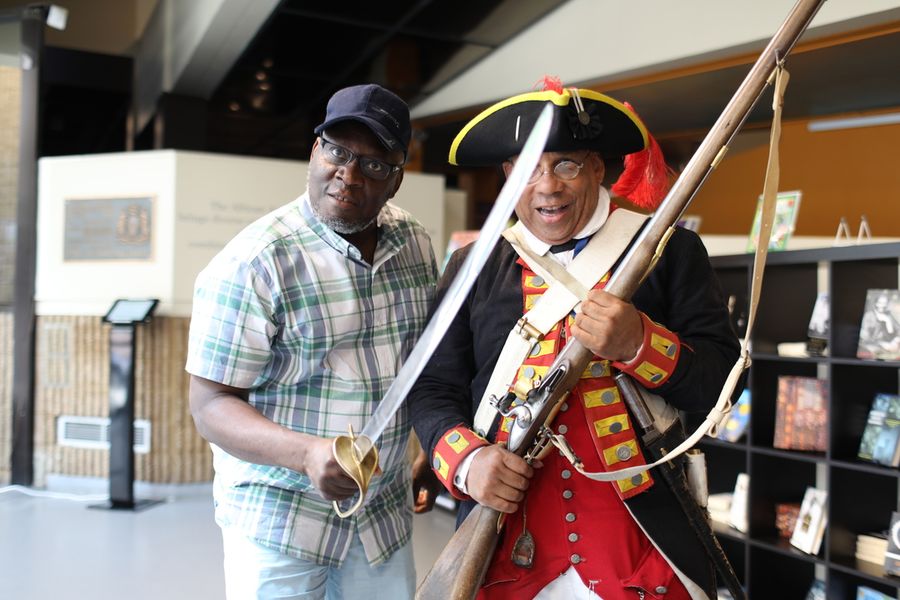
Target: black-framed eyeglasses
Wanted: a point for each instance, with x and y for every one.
(565, 169)
(370, 167)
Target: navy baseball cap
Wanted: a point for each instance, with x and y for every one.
(382, 111)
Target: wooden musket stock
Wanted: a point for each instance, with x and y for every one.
(459, 570)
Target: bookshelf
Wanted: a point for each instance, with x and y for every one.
(861, 495)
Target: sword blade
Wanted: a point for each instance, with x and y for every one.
(462, 283)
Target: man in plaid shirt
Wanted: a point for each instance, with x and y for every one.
(299, 325)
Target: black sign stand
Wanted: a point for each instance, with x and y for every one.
(124, 316)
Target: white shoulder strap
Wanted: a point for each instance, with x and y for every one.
(568, 287)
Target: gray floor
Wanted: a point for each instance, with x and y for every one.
(55, 548)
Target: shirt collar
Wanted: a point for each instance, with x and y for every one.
(390, 236)
(593, 225)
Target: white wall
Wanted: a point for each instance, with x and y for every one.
(200, 202)
(89, 287)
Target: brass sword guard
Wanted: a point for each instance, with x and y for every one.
(360, 469)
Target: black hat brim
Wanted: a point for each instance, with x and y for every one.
(499, 132)
(381, 132)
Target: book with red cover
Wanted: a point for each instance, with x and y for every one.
(801, 414)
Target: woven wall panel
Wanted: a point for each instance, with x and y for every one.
(72, 378)
(6, 411)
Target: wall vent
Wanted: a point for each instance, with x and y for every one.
(93, 432)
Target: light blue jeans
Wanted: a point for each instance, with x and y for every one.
(253, 572)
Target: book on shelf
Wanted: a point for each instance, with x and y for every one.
(879, 332)
(737, 312)
(819, 320)
(872, 547)
(737, 514)
(458, 239)
(719, 507)
(801, 414)
(816, 590)
(819, 325)
(811, 521)
(880, 441)
(866, 593)
(738, 419)
(786, 514)
(787, 205)
(892, 554)
(691, 222)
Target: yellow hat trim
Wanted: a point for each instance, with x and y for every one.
(545, 96)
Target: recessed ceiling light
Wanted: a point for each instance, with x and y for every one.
(853, 122)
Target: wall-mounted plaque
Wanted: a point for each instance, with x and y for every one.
(109, 229)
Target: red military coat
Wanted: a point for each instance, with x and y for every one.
(607, 546)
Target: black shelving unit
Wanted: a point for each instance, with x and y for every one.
(861, 495)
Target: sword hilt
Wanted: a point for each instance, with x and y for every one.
(359, 466)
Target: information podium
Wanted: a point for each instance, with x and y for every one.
(124, 317)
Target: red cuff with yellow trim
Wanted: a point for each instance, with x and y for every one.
(451, 449)
(657, 357)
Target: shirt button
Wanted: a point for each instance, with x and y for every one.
(623, 453)
(529, 372)
(575, 558)
(570, 517)
(564, 407)
(566, 473)
(615, 427)
(538, 281)
(597, 369)
(536, 349)
(567, 494)
(563, 429)
(573, 537)
(607, 397)
(661, 589)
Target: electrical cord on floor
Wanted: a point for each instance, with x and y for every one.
(55, 495)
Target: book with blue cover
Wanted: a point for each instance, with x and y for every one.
(738, 419)
(866, 593)
(880, 441)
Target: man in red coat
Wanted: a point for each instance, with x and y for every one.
(567, 536)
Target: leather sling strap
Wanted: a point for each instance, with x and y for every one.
(720, 411)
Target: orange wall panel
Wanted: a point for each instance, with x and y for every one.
(849, 173)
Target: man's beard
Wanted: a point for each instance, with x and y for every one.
(342, 226)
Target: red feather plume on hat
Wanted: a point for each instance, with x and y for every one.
(645, 179)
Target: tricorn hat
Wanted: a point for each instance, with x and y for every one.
(583, 120)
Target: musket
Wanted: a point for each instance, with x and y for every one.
(459, 570)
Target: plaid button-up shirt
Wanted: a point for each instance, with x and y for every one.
(290, 311)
